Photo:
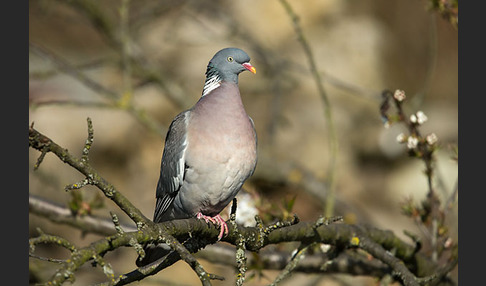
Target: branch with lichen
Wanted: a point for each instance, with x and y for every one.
(219, 254)
(241, 257)
(375, 242)
(45, 145)
(318, 262)
(379, 243)
(97, 250)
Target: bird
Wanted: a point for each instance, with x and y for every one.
(210, 151)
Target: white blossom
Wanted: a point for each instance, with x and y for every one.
(399, 95)
(412, 142)
(401, 138)
(413, 118)
(431, 139)
(325, 247)
(246, 211)
(421, 117)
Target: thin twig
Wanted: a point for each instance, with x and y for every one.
(203, 275)
(88, 143)
(333, 143)
(109, 94)
(419, 97)
(51, 239)
(126, 98)
(48, 73)
(140, 66)
(40, 142)
(68, 69)
(289, 268)
(60, 214)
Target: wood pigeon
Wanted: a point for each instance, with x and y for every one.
(210, 150)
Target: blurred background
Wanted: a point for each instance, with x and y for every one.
(148, 60)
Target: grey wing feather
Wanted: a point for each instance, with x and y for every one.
(256, 141)
(172, 166)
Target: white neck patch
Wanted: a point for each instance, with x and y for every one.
(211, 84)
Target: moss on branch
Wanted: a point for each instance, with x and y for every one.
(402, 258)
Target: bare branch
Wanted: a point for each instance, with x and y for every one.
(335, 234)
(289, 268)
(60, 214)
(40, 142)
(241, 257)
(376, 242)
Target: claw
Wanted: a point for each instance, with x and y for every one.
(218, 220)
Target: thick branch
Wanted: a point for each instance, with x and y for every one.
(380, 244)
(218, 253)
(346, 262)
(335, 234)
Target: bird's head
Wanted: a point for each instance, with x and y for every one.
(230, 62)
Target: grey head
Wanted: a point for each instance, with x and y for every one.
(226, 65)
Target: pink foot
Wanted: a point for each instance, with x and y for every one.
(218, 220)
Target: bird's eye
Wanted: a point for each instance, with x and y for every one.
(230, 59)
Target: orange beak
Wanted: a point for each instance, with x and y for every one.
(249, 67)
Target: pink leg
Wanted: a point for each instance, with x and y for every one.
(218, 220)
